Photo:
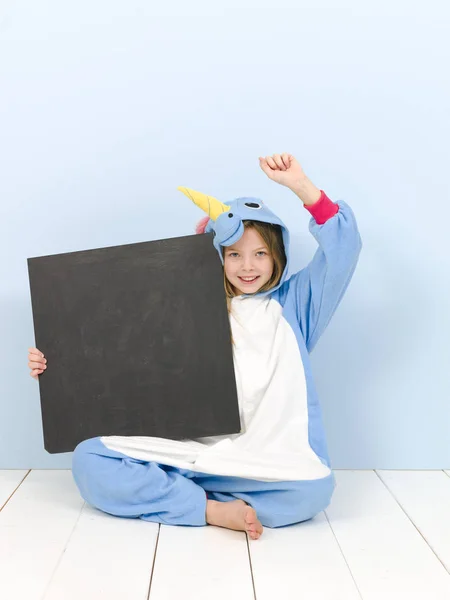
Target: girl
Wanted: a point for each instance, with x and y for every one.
(276, 471)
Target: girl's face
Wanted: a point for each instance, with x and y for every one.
(248, 264)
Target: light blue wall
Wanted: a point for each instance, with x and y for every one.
(106, 107)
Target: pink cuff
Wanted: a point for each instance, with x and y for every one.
(323, 209)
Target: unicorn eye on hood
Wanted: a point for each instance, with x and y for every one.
(226, 221)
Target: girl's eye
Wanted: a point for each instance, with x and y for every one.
(234, 254)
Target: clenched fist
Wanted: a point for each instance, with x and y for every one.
(283, 169)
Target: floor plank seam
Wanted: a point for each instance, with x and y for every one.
(411, 521)
(58, 562)
(343, 555)
(23, 479)
(251, 567)
(153, 564)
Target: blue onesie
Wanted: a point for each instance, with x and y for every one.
(278, 463)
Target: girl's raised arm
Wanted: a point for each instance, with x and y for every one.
(317, 290)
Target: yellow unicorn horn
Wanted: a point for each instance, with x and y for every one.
(210, 205)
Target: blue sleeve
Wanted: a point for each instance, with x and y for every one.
(316, 291)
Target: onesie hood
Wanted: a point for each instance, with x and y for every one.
(226, 223)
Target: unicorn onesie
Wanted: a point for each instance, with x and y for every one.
(282, 435)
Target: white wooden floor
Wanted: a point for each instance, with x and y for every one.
(386, 535)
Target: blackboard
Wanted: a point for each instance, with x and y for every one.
(138, 342)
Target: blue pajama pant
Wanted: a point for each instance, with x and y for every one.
(127, 487)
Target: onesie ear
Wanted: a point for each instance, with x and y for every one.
(201, 225)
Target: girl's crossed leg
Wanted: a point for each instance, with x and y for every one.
(127, 487)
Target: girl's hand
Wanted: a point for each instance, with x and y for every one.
(283, 169)
(37, 362)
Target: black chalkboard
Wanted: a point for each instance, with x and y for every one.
(138, 342)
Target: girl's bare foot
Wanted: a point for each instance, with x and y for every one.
(235, 514)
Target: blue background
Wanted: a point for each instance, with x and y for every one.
(106, 107)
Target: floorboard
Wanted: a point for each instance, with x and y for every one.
(385, 535)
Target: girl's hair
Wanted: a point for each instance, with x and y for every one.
(273, 238)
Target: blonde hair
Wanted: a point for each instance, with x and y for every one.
(273, 238)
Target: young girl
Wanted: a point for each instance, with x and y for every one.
(276, 471)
